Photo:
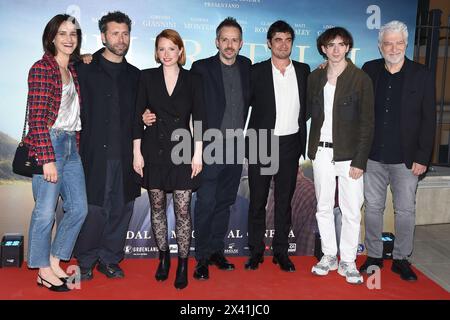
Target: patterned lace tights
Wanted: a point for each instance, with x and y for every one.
(183, 227)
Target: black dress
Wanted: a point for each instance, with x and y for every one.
(172, 112)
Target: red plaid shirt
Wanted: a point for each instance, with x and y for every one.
(44, 99)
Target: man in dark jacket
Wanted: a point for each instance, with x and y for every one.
(405, 112)
(108, 88)
(226, 86)
(278, 100)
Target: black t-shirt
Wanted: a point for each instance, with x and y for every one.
(113, 117)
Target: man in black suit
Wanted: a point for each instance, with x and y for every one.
(405, 120)
(226, 86)
(278, 100)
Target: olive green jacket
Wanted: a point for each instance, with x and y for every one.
(353, 114)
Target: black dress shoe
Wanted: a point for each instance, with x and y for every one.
(164, 265)
(64, 279)
(403, 268)
(181, 279)
(284, 262)
(201, 271)
(61, 288)
(254, 261)
(111, 270)
(375, 262)
(86, 273)
(220, 261)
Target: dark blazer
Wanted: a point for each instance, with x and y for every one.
(213, 90)
(95, 85)
(172, 112)
(418, 109)
(263, 98)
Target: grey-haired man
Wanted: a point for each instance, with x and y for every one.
(403, 140)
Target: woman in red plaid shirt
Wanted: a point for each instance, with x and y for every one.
(54, 125)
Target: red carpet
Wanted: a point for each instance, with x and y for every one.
(266, 283)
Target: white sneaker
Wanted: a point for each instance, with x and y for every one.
(325, 264)
(349, 271)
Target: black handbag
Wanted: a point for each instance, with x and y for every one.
(22, 164)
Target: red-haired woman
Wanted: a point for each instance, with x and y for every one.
(173, 94)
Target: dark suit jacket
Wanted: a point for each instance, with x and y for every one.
(95, 85)
(172, 112)
(418, 109)
(213, 90)
(263, 98)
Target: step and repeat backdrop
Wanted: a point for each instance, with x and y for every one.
(22, 23)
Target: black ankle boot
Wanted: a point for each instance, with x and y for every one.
(181, 280)
(164, 265)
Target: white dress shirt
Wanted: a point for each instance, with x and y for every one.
(287, 100)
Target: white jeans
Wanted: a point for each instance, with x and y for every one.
(351, 198)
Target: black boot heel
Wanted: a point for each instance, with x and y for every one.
(181, 280)
(164, 265)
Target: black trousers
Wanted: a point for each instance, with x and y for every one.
(102, 237)
(284, 184)
(217, 192)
